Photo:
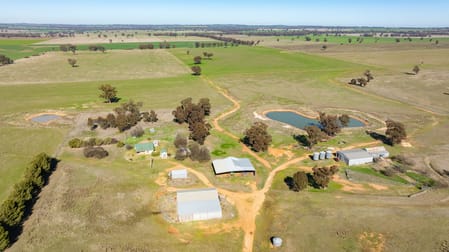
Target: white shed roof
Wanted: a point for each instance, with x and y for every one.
(355, 154)
(181, 172)
(197, 201)
(232, 164)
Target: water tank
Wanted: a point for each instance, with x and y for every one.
(328, 154)
(276, 241)
(316, 156)
(322, 155)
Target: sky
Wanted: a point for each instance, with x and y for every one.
(393, 13)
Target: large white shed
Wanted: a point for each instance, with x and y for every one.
(198, 204)
(355, 157)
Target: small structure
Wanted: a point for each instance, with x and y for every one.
(156, 143)
(198, 204)
(355, 156)
(377, 152)
(152, 130)
(276, 241)
(146, 148)
(322, 155)
(164, 153)
(178, 174)
(233, 165)
(316, 156)
(328, 154)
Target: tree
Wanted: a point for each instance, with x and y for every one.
(204, 154)
(128, 115)
(349, 40)
(322, 175)
(362, 82)
(197, 59)
(180, 141)
(314, 135)
(72, 62)
(199, 131)
(194, 148)
(324, 47)
(95, 152)
(205, 105)
(416, 69)
(329, 124)
(4, 238)
(257, 137)
(395, 132)
(108, 93)
(137, 132)
(72, 48)
(196, 70)
(368, 75)
(12, 211)
(75, 143)
(5, 60)
(344, 120)
(149, 117)
(300, 181)
(353, 82)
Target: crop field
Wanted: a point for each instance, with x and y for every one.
(21, 48)
(113, 204)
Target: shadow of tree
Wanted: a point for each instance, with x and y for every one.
(302, 139)
(379, 137)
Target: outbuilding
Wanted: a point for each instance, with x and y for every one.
(233, 165)
(198, 204)
(146, 148)
(377, 152)
(355, 156)
(178, 174)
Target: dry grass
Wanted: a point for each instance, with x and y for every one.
(93, 66)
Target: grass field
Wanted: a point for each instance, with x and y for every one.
(20, 48)
(91, 66)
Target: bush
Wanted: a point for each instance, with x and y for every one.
(75, 143)
(155, 153)
(300, 181)
(95, 152)
(129, 147)
(120, 144)
(4, 238)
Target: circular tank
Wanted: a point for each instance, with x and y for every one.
(277, 241)
(322, 155)
(316, 156)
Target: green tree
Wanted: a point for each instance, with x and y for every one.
(257, 137)
(395, 132)
(196, 70)
(322, 175)
(72, 62)
(344, 120)
(108, 93)
(12, 211)
(197, 60)
(4, 238)
(329, 124)
(199, 131)
(300, 181)
(314, 135)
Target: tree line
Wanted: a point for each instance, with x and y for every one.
(20, 201)
(224, 39)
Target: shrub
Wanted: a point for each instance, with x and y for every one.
(95, 152)
(75, 143)
(155, 153)
(120, 144)
(300, 181)
(4, 238)
(129, 147)
(137, 132)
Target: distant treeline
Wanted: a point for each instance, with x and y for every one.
(17, 207)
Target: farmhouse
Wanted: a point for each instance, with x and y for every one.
(233, 165)
(146, 148)
(178, 174)
(355, 156)
(198, 204)
(377, 152)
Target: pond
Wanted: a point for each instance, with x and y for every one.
(299, 121)
(45, 118)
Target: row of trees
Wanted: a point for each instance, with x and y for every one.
(95, 48)
(79, 143)
(194, 115)
(126, 116)
(5, 60)
(18, 205)
(319, 178)
(162, 45)
(224, 39)
(363, 81)
(68, 47)
(330, 125)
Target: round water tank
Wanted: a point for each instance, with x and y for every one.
(322, 155)
(328, 154)
(276, 241)
(316, 156)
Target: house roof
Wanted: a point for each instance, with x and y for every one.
(355, 154)
(232, 164)
(197, 201)
(141, 147)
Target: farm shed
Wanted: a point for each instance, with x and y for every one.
(377, 152)
(178, 174)
(355, 156)
(146, 148)
(233, 165)
(164, 153)
(198, 204)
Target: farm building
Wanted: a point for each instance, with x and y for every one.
(355, 156)
(198, 204)
(233, 165)
(377, 152)
(146, 148)
(164, 153)
(178, 174)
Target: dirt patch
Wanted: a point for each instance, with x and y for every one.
(372, 242)
(406, 144)
(278, 153)
(378, 187)
(349, 186)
